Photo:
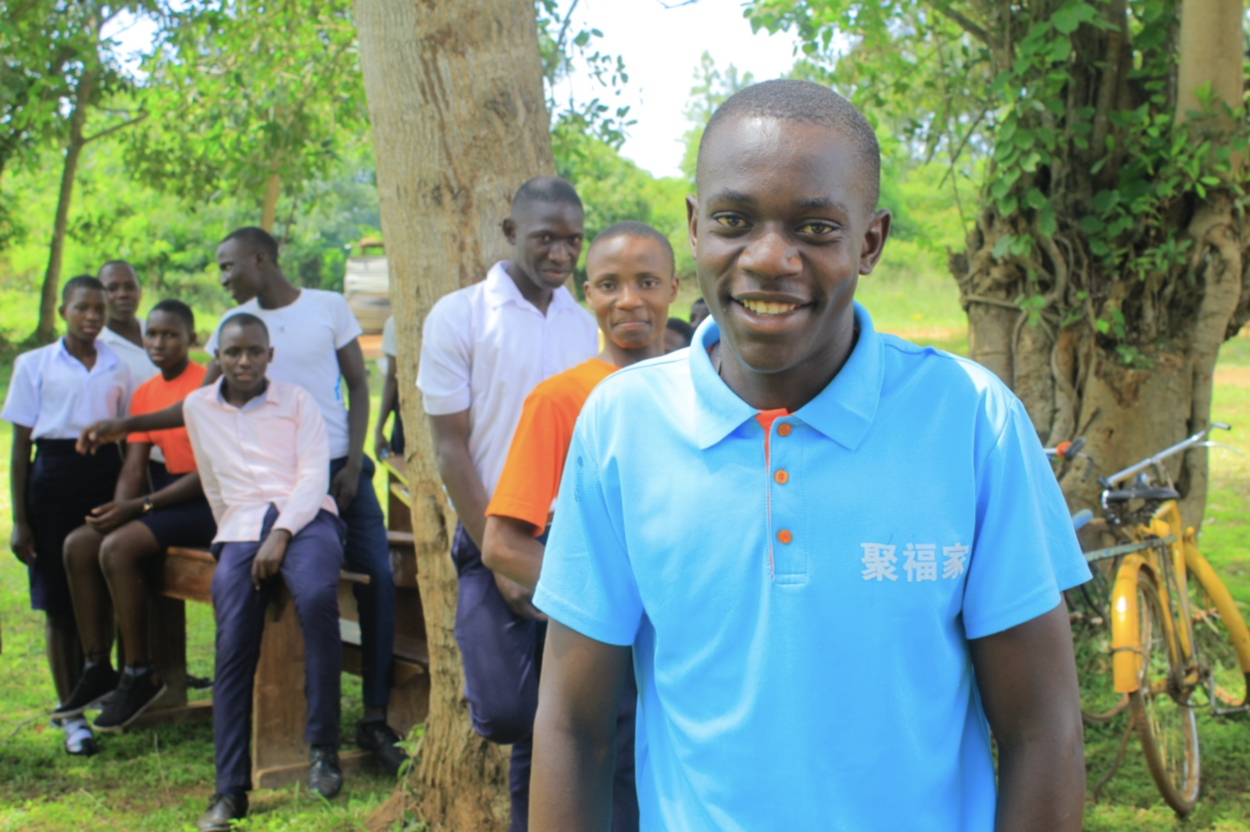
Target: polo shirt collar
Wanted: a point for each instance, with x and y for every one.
(843, 411)
(500, 290)
(270, 397)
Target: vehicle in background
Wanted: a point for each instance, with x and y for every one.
(366, 286)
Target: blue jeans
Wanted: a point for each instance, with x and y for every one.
(369, 553)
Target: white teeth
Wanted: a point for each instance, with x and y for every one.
(762, 308)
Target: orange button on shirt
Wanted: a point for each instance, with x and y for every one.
(157, 394)
(531, 474)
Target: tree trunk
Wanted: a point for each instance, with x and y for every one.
(1075, 378)
(45, 332)
(456, 103)
(269, 208)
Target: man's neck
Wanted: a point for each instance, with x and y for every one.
(176, 370)
(128, 328)
(238, 398)
(788, 389)
(622, 357)
(81, 348)
(276, 292)
(539, 296)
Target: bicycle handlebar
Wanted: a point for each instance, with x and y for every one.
(1183, 445)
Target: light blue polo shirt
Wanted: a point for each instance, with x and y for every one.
(824, 683)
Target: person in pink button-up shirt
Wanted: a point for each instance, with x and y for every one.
(261, 450)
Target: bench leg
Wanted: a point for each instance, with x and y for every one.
(168, 628)
(279, 709)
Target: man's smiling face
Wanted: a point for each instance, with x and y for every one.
(781, 229)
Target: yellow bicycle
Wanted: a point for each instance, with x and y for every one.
(1156, 632)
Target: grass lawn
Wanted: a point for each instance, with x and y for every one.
(161, 779)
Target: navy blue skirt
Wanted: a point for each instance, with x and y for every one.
(64, 486)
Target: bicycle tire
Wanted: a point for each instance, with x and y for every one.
(1216, 654)
(1089, 619)
(1163, 713)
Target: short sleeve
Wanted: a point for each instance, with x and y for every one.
(587, 581)
(389, 346)
(346, 327)
(444, 372)
(1025, 551)
(21, 405)
(531, 475)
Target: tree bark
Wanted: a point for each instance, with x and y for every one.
(269, 207)
(45, 331)
(455, 98)
(1069, 374)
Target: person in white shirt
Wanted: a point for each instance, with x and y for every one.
(263, 457)
(484, 348)
(123, 331)
(57, 391)
(315, 337)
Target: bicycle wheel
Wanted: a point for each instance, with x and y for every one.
(1217, 657)
(1162, 711)
(1091, 645)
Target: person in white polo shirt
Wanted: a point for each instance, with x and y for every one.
(124, 330)
(484, 348)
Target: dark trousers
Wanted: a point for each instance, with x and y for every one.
(368, 552)
(502, 654)
(310, 571)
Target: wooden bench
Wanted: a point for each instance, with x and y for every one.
(279, 756)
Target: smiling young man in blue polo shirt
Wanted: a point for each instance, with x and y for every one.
(837, 557)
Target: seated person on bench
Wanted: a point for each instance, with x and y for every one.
(264, 463)
(104, 558)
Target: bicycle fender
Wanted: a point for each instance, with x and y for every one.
(1126, 658)
(1236, 625)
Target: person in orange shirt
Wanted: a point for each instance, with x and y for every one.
(103, 558)
(630, 284)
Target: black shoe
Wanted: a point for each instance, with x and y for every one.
(324, 776)
(97, 681)
(134, 693)
(380, 738)
(222, 809)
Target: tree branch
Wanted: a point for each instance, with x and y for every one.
(109, 131)
(965, 22)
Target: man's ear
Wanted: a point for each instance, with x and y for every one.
(271, 355)
(874, 241)
(675, 285)
(509, 230)
(60, 310)
(692, 221)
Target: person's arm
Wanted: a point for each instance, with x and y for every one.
(352, 366)
(22, 539)
(115, 430)
(118, 513)
(390, 402)
(450, 434)
(133, 480)
(575, 732)
(1027, 680)
(510, 549)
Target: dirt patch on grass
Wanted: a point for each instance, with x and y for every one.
(927, 333)
(1233, 376)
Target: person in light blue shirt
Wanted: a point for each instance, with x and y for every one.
(837, 557)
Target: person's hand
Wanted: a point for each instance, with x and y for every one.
(519, 599)
(99, 434)
(268, 559)
(381, 448)
(22, 542)
(343, 486)
(114, 514)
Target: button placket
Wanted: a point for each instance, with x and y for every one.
(789, 552)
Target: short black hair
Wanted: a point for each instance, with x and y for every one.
(808, 103)
(80, 281)
(633, 228)
(545, 189)
(258, 239)
(177, 307)
(117, 264)
(682, 328)
(242, 320)
(695, 305)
